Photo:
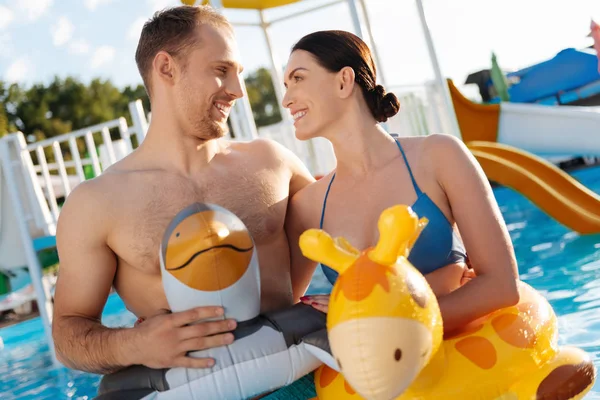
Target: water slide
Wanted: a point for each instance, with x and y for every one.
(553, 190)
(509, 140)
(561, 131)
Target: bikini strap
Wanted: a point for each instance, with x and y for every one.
(325, 201)
(417, 189)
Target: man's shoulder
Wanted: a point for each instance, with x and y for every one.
(96, 194)
(267, 151)
(261, 145)
(88, 193)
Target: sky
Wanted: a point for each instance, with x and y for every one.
(40, 39)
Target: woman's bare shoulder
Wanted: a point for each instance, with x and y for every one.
(442, 145)
(308, 201)
(440, 151)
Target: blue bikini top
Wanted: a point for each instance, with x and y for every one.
(437, 245)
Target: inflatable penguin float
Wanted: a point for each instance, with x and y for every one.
(208, 257)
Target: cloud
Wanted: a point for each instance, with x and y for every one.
(33, 9)
(93, 4)
(135, 29)
(62, 31)
(18, 70)
(79, 46)
(103, 55)
(157, 5)
(6, 45)
(6, 16)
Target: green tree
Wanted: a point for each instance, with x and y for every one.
(130, 94)
(263, 100)
(3, 121)
(65, 105)
(7, 119)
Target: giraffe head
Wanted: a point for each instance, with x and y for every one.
(384, 322)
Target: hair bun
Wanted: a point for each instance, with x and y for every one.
(378, 91)
(386, 104)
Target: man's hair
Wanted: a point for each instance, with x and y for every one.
(172, 30)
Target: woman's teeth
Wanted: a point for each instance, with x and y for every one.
(299, 115)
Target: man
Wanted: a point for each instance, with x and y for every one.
(110, 227)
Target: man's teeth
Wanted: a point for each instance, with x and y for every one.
(223, 108)
(299, 114)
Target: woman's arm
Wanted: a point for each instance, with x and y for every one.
(483, 231)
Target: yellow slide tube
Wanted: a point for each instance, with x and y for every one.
(553, 190)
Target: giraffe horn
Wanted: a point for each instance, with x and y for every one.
(397, 227)
(407, 247)
(318, 246)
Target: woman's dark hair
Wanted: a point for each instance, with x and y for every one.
(335, 50)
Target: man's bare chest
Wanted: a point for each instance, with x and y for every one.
(259, 200)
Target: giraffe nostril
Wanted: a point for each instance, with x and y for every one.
(398, 354)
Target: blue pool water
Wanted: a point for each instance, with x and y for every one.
(564, 266)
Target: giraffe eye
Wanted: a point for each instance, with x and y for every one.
(398, 354)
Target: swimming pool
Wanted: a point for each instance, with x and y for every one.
(564, 266)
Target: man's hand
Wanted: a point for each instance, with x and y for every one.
(163, 341)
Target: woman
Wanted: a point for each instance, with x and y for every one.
(332, 93)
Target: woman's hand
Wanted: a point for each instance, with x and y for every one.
(317, 301)
(467, 276)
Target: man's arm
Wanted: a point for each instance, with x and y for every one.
(87, 270)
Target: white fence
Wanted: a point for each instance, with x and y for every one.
(422, 111)
(31, 187)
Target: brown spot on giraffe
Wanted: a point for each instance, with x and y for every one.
(359, 280)
(478, 350)
(515, 330)
(328, 375)
(566, 381)
(348, 388)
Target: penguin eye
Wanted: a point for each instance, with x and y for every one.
(177, 234)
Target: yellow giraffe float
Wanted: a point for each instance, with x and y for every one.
(385, 332)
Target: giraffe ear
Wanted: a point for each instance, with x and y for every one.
(318, 246)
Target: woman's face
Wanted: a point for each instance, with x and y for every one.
(311, 96)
